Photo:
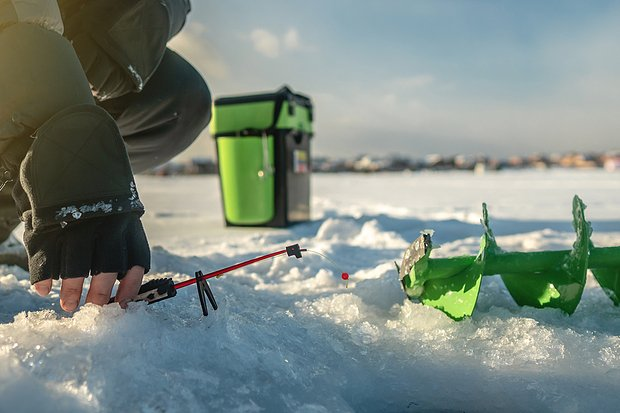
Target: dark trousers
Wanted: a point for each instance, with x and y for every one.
(157, 124)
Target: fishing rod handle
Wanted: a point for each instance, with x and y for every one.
(156, 290)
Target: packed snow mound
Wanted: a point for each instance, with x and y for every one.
(291, 335)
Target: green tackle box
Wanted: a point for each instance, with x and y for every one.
(263, 152)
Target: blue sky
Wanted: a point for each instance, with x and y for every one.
(422, 77)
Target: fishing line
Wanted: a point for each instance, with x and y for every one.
(343, 274)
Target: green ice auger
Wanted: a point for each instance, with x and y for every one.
(539, 279)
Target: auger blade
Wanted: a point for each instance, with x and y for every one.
(609, 280)
(415, 256)
(454, 294)
(545, 289)
(562, 285)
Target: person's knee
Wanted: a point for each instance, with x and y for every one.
(201, 103)
(193, 109)
(198, 98)
(167, 116)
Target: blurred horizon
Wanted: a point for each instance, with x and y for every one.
(422, 77)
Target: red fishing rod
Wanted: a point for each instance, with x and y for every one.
(163, 288)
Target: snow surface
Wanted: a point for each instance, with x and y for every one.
(289, 336)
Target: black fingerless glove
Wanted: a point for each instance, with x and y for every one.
(77, 199)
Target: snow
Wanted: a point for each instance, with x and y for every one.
(290, 336)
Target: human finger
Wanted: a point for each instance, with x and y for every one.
(129, 285)
(70, 293)
(44, 287)
(101, 288)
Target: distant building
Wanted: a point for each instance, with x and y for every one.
(394, 163)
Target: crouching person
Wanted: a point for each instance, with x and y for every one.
(89, 95)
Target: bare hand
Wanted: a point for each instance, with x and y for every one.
(100, 289)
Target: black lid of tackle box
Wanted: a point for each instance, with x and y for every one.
(282, 94)
(247, 121)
